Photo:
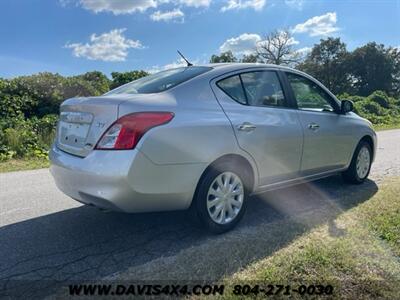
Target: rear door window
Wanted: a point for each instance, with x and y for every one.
(263, 89)
(258, 88)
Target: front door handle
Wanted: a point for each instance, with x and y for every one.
(313, 126)
(246, 126)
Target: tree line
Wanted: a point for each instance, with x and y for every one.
(366, 69)
(41, 94)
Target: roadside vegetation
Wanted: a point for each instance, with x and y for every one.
(23, 164)
(368, 75)
(358, 253)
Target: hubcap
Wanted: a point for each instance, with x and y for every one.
(363, 162)
(225, 198)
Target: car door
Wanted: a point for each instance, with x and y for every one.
(327, 138)
(264, 124)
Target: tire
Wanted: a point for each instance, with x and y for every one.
(209, 185)
(358, 171)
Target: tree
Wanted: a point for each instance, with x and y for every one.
(12, 103)
(395, 55)
(43, 93)
(249, 58)
(375, 67)
(98, 81)
(120, 78)
(224, 57)
(328, 62)
(46, 89)
(277, 48)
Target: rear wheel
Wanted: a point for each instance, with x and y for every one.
(360, 164)
(220, 199)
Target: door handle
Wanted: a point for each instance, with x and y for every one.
(246, 126)
(313, 126)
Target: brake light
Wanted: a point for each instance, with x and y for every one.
(126, 132)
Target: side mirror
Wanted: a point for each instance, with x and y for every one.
(346, 106)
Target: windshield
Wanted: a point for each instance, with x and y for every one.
(160, 82)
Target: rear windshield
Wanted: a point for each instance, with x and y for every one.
(160, 82)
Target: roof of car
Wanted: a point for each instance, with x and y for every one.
(244, 65)
(223, 68)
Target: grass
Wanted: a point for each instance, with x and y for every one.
(381, 127)
(359, 256)
(23, 164)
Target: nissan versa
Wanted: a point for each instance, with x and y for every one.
(204, 138)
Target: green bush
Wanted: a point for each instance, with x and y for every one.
(45, 129)
(353, 98)
(367, 106)
(378, 107)
(20, 137)
(380, 98)
(373, 108)
(12, 103)
(41, 94)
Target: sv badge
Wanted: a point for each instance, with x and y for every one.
(100, 124)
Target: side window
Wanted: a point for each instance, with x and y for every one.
(233, 87)
(263, 88)
(309, 95)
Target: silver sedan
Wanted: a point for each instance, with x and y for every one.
(206, 137)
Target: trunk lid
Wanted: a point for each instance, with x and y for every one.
(83, 121)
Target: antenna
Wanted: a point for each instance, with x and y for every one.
(189, 64)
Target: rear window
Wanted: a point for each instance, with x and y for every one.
(233, 87)
(160, 82)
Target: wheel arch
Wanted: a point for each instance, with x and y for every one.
(248, 171)
(368, 139)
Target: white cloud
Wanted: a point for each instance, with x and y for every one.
(176, 64)
(304, 51)
(166, 16)
(298, 4)
(318, 25)
(247, 43)
(110, 46)
(243, 44)
(241, 4)
(195, 3)
(64, 3)
(118, 7)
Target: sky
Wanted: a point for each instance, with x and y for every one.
(76, 36)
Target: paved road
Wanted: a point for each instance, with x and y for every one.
(47, 239)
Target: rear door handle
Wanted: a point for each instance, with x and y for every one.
(313, 126)
(246, 126)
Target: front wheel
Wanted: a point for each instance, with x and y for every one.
(220, 200)
(360, 164)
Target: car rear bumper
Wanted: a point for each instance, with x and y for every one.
(124, 180)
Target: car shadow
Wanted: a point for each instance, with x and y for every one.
(40, 255)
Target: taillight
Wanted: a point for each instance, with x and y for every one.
(126, 132)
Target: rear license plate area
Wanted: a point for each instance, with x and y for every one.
(72, 134)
